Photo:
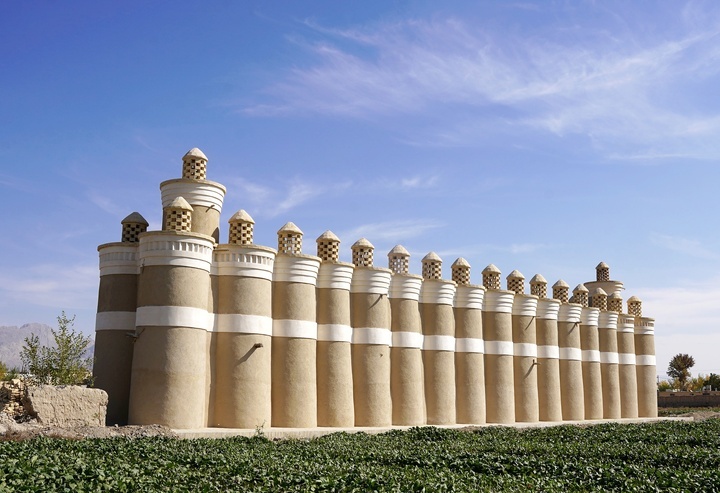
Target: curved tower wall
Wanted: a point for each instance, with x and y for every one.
(206, 198)
(571, 375)
(645, 367)
(626, 366)
(524, 314)
(609, 371)
(590, 346)
(548, 367)
(499, 380)
(469, 354)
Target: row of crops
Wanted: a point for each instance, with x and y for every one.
(668, 456)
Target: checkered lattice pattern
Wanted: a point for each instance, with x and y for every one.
(362, 256)
(241, 233)
(491, 281)
(561, 294)
(195, 169)
(603, 274)
(290, 243)
(516, 284)
(539, 289)
(432, 269)
(399, 264)
(178, 220)
(615, 305)
(328, 250)
(130, 232)
(580, 297)
(599, 301)
(635, 308)
(461, 274)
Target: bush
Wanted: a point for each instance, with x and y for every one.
(62, 364)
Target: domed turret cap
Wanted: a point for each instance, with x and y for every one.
(362, 243)
(461, 262)
(194, 153)
(561, 284)
(599, 292)
(516, 274)
(135, 218)
(431, 257)
(180, 203)
(241, 216)
(538, 279)
(290, 227)
(328, 236)
(491, 269)
(399, 250)
(580, 288)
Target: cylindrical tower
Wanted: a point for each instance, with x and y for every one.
(571, 377)
(524, 349)
(626, 360)
(370, 316)
(243, 328)
(645, 360)
(590, 346)
(294, 341)
(497, 328)
(334, 356)
(115, 320)
(170, 355)
(603, 281)
(548, 362)
(206, 197)
(469, 346)
(438, 322)
(407, 382)
(607, 335)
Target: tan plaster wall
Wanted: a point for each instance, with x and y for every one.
(627, 377)
(293, 301)
(407, 379)
(525, 371)
(469, 369)
(592, 379)
(548, 373)
(610, 375)
(245, 295)
(112, 369)
(206, 221)
(117, 293)
(571, 376)
(646, 377)
(499, 380)
(439, 365)
(169, 285)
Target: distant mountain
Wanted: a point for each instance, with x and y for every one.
(12, 339)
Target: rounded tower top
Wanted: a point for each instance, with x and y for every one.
(538, 286)
(491, 277)
(516, 282)
(615, 302)
(580, 295)
(634, 306)
(602, 271)
(432, 266)
(560, 291)
(195, 165)
(241, 228)
(328, 246)
(290, 239)
(178, 215)
(599, 299)
(399, 260)
(362, 253)
(461, 271)
(132, 226)
(241, 216)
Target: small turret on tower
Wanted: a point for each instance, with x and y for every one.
(362, 253)
(491, 277)
(290, 239)
(132, 226)
(328, 247)
(516, 282)
(461, 271)
(580, 295)
(561, 291)
(634, 306)
(195, 165)
(178, 216)
(432, 266)
(399, 260)
(538, 286)
(241, 228)
(599, 299)
(602, 272)
(615, 303)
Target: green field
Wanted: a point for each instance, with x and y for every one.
(667, 456)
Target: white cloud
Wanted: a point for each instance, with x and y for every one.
(686, 246)
(391, 230)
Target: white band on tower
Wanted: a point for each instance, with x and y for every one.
(238, 323)
(499, 348)
(548, 352)
(334, 333)
(439, 343)
(296, 329)
(115, 321)
(372, 335)
(406, 339)
(469, 345)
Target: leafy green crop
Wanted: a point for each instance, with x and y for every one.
(667, 456)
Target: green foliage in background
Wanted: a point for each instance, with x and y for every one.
(679, 368)
(666, 456)
(63, 364)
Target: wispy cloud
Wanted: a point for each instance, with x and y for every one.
(52, 285)
(419, 182)
(686, 246)
(616, 88)
(391, 230)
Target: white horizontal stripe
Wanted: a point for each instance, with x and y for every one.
(469, 297)
(439, 343)
(525, 349)
(205, 194)
(643, 330)
(335, 276)
(645, 360)
(525, 305)
(295, 329)
(298, 269)
(469, 345)
(626, 358)
(569, 313)
(548, 352)
(371, 280)
(608, 320)
(334, 332)
(589, 316)
(166, 248)
(243, 324)
(548, 309)
(403, 339)
(498, 301)
(115, 321)
(609, 358)
(119, 259)
(626, 329)
(372, 335)
(591, 355)
(436, 291)
(499, 348)
(174, 316)
(405, 286)
(570, 353)
(243, 261)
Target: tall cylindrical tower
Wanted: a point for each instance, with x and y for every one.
(497, 328)
(407, 382)
(645, 360)
(334, 356)
(294, 342)
(370, 316)
(548, 362)
(626, 360)
(469, 346)
(168, 383)
(206, 197)
(243, 328)
(590, 345)
(525, 349)
(571, 377)
(438, 322)
(115, 321)
(607, 332)
(603, 281)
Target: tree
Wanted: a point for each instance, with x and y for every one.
(679, 368)
(713, 380)
(62, 364)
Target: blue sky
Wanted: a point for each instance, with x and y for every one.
(538, 136)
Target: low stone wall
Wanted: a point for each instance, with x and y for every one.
(689, 399)
(12, 393)
(67, 406)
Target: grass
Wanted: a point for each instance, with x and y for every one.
(677, 411)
